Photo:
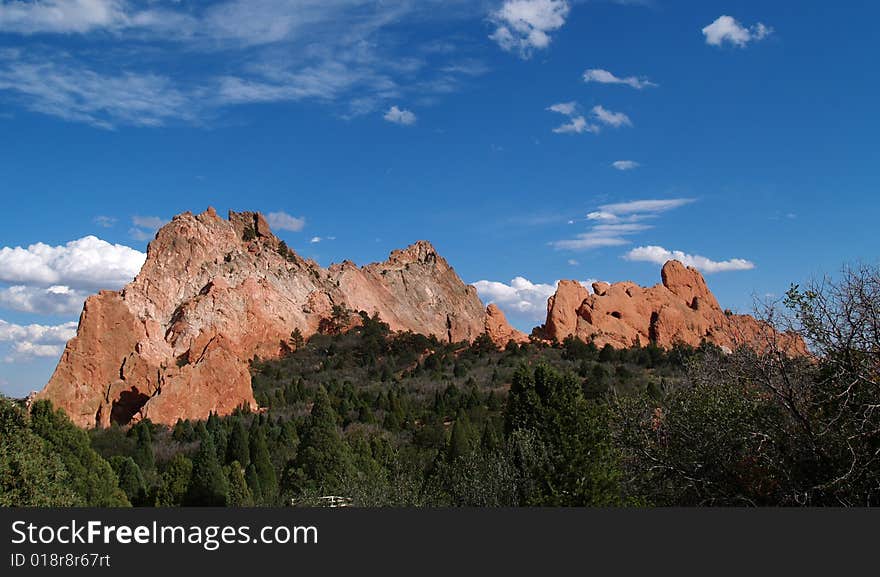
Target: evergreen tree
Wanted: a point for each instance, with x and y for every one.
(239, 493)
(237, 449)
(30, 474)
(253, 483)
(90, 476)
(323, 461)
(143, 452)
(461, 439)
(131, 480)
(263, 465)
(174, 483)
(208, 486)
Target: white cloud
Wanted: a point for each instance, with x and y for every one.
(344, 54)
(625, 164)
(30, 341)
(62, 16)
(86, 263)
(604, 77)
(521, 297)
(524, 26)
(614, 223)
(573, 262)
(728, 29)
(637, 209)
(615, 119)
(400, 116)
(566, 108)
(66, 89)
(283, 221)
(659, 255)
(54, 300)
(577, 124)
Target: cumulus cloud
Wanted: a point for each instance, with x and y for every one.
(53, 300)
(88, 263)
(613, 224)
(659, 255)
(625, 164)
(521, 298)
(524, 26)
(28, 341)
(601, 76)
(728, 29)
(400, 116)
(283, 221)
(615, 119)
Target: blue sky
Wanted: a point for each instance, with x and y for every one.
(527, 139)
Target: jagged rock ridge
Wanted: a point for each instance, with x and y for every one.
(680, 309)
(214, 293)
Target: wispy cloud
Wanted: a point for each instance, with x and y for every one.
(105, 221)
(625, 164)
(401, 116)
(613, 224)
(345, 54)
(615, 119)
(659, 255)
(145, 227)
(283, 221)
(728, 29)
(523, 26)
(601, 76)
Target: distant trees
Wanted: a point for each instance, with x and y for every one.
(31, 475)
(89, 476)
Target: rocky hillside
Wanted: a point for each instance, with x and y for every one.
(681, 309)
(214, 293)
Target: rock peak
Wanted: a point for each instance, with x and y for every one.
(176, 342)
(681, 309)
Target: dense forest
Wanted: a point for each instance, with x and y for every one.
(374, 418)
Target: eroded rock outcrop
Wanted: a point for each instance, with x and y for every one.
(214, 293)
(681, 309)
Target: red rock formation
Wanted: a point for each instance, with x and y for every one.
(499, 330)
(213, 294)
(681, 309)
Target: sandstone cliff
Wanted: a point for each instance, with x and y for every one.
(213, 293)
(680, 309)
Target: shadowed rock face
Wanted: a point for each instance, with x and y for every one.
(681, 309)
(213, 294)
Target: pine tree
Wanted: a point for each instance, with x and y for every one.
(239, 493)
(143, 452)
(208, 486)
(131, 480)
(174, 483)
(323, 461)
(263, 465)
(237, 448)
(461, 440)
(253, 483)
